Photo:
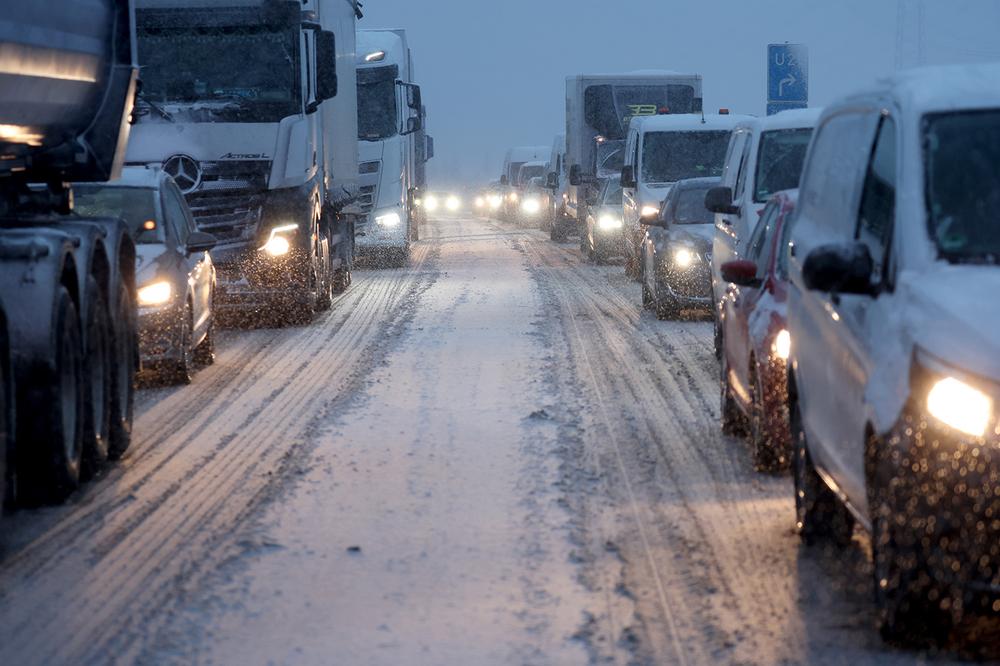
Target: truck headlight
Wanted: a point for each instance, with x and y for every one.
(683, 257)
(277, 244)
(391, 219)
(782, 346)
(156, 293)
(960, 406)
(609, 222)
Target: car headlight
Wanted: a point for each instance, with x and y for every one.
(453, 203)
(782, 346)
(431, 202)
(609, 222)
(495, 201)
(531, 206)
(649, 211)
(391, 219)
(277, 245)
(683, 257)
(963, 407)
(156, 293)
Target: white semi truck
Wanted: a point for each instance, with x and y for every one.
(250, 106)
(393, 146)
(68, 343)
(599, 108)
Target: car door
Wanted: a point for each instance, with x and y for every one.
(874, 227)
(197, 266)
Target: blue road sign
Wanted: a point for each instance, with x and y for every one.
(778, 107)
(788, 73)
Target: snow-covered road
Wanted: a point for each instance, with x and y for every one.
(491, 457)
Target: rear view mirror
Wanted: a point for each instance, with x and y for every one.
(574, 176)
(720, 200)
(628, 176)
(841, 268)
(742, 273)
(326, 65)
(199, 241)
(413, 97)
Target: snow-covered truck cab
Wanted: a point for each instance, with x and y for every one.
(239, 104)
(390, 124)
(601, 105)
(659, 151)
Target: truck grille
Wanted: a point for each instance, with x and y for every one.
(229, 201)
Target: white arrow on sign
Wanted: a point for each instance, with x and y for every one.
(788, 80)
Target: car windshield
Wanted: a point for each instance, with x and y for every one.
(182, 66)
(690, 207)
(963, 184)
(671, 156)
(613, 194)
(377, 103)
(136, 206)
(779, 164)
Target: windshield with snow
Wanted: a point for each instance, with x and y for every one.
(181, 66)
(612, 194)
(963, 184)
(779, 164)
(526, 173)
(377, 103)
(671, 156)
(610, 158)
(136, 206)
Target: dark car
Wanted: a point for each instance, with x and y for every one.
(754, 343)
(175, 277)
(676, 269)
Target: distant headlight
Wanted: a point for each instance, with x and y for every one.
(390, 219)
(277, 245)
(609, 222)
(495, 201)
(782, 346)
(650, 211)
(531, 206)
(684, 257)
(513, 196)
(960, 406)
(156, 293)
(453, 203)
(431, 202)
(480, 202)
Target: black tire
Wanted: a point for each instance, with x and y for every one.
(731, 419)
(819, 516)
(766, 457)
(5, 429)
(558, 234)
(181, 370)
(204, 354)
(55, 442)
(98, 381)
(126, 355)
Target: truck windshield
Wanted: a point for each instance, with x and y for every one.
(182, 66)
(134, 205)
(962, 151)
(610, 158)
(782, 154)
(377, 103)
(671, 156)
(609, 108)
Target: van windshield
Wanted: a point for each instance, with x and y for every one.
(136, 206)
(377, 103)
(961, 154)
(779, 165)
(526, 173)
(671, 156)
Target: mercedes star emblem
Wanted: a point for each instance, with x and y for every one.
(185, 172)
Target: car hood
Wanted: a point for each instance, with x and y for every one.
(698, 235)
(952, 315)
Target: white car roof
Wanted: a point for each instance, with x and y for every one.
(946, 88)
(794, 119)
(686, 122)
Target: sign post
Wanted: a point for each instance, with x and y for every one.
(787, 77)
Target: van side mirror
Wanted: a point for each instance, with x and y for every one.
(840, 268)
(720, 200)
(742, 273)
(574, 176)
(326, 65)
(628, 176)
(552, 180)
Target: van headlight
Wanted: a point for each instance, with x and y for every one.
(960, 406)
(277, 244)
(390, 219)
(156, 293)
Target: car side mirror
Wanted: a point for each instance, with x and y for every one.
(742, 272)
(628, 176)
(840, 268)
(326, 65)
(574, 176)
(200, 241)
(552, 180)
(720, 200)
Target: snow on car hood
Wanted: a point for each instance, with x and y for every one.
(696, 234)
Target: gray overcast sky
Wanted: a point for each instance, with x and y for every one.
(493, 72)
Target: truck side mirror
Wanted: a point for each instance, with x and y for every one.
(552, 180)
(326, 65)
(504, 181)
(574, 175)
(628, 176)
(414, 124)
(720, 200)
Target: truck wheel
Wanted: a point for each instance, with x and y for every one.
(819, 515)
(98, 381)
(180, 370)
(55, 446)
(123, 374)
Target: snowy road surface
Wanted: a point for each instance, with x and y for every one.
(490, 457)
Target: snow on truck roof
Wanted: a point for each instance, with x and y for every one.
(686, 122)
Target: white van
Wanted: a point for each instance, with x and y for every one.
(659, 151)
(765, 156)
(512, 163)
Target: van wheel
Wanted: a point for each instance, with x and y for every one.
(123, 373)
(819, 515)
(98, 382)
(732, 421)
(56, 440)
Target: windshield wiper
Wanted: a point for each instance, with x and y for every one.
(156, 107)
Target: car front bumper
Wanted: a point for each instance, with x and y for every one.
(691, 286)
(159, 334)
